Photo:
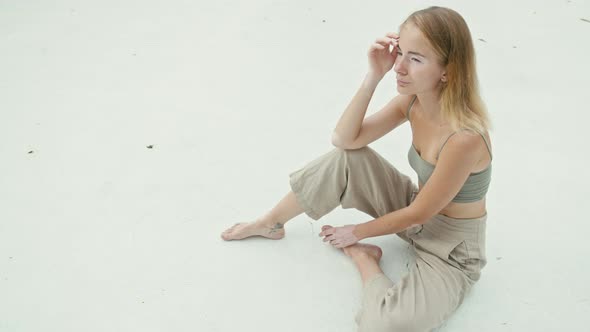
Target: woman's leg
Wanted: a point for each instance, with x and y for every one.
(270, 224)
(420, 301)
(323, 177)
(360, 179)
(450, 255)
(366, 257)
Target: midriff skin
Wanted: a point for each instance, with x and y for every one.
(428, 137)
(464, 210)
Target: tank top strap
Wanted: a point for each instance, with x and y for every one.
(482, 136)
(410, 107)
(487, 146)
(444, 145)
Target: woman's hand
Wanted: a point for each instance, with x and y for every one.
(381, 59)
(339, 237)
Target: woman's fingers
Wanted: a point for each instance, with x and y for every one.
(384, 41)
(391, 38)
(392, 35)
(327, 230)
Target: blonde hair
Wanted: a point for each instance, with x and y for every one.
(449, 36)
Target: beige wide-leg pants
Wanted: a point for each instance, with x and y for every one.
(450, 252)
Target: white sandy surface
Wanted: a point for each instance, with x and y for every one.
(100, 233)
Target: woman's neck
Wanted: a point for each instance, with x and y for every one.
(430, 103)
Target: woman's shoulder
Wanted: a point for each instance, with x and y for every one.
(406, 101)
(471, 140)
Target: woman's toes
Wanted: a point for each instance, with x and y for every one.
(227, 234)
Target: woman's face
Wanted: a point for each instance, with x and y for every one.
(416, 66)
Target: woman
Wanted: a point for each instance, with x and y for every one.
(444, 217)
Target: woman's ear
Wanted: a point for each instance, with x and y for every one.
(443, 78)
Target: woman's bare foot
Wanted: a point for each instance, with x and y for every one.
(369, 250)
(258, 228)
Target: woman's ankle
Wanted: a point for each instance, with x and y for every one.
(266, 220)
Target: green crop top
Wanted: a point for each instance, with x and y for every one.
(475, 187)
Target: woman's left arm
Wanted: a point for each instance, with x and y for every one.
(454, 165)
(393, 222)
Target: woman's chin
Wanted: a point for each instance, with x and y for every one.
(403, 91)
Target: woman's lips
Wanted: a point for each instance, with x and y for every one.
(403, 83)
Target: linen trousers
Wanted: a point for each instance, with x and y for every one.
(450, 252)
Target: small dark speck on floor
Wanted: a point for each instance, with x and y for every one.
(504, 323)
(513, 46)
(134, 54)
(534, 13)
(585, 20)
(498, 258)
(30, 152)
(10, 257)
(324, 21)
(150, 146)
(483, 40)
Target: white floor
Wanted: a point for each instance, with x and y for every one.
(100, 233)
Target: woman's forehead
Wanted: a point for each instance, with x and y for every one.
(412, 39)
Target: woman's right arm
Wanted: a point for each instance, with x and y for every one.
(351, 131)
(377, 125)
(349, 125)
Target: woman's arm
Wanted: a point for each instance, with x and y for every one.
(381, 60)
(454, 165)
(390, 223)
(348, 127)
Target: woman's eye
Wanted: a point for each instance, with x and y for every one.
(399, 53)
(416, 60)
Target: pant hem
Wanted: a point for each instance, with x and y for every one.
(296, 188)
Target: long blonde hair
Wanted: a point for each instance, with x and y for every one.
(449, 36)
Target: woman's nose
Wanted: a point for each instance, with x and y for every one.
(399, 66)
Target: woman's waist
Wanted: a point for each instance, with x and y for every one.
(463, 210)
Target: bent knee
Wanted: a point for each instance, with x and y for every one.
(359, 154)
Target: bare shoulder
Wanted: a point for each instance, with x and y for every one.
(403, 103)
(465, 139)
(469, 142)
